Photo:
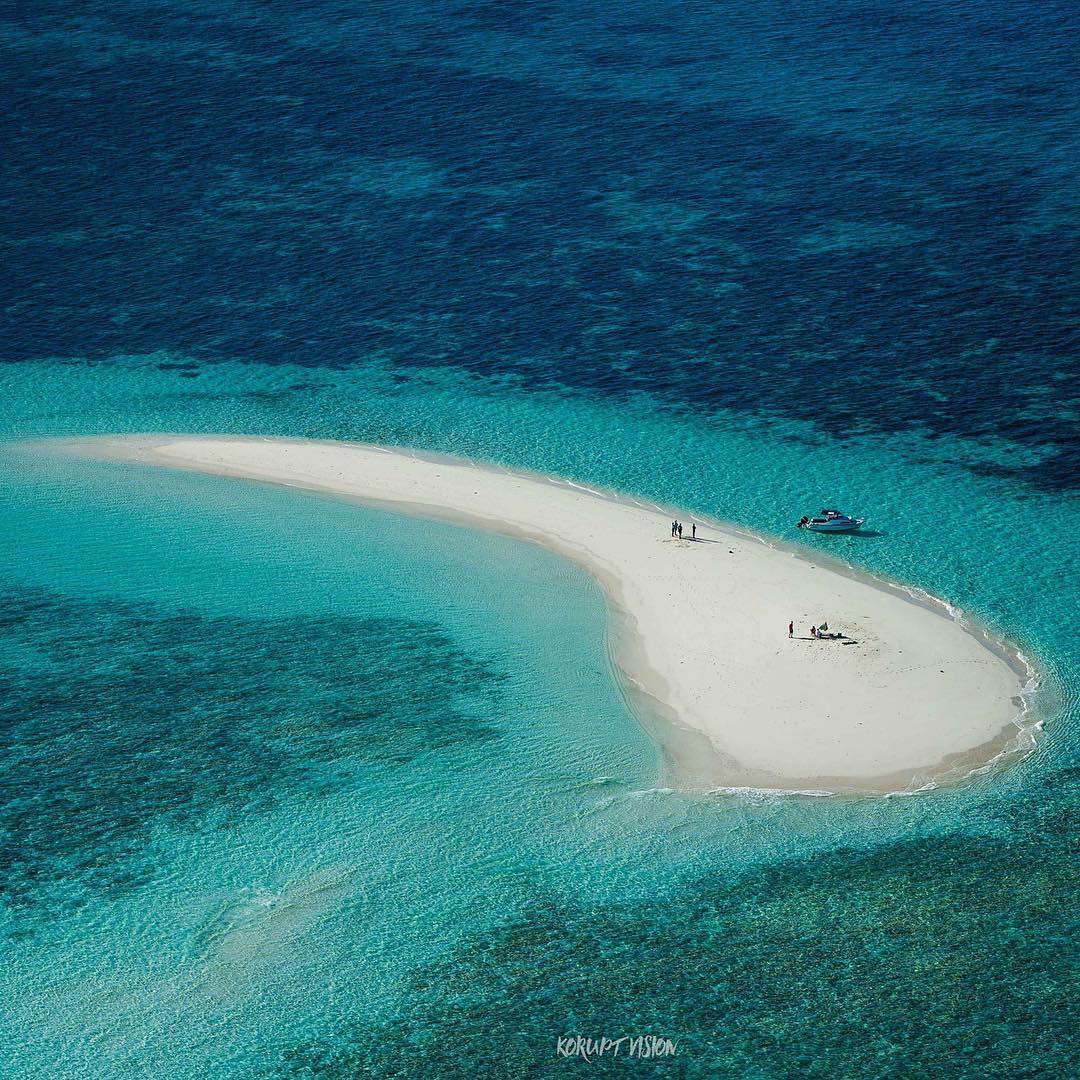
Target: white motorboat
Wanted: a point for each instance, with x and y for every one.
(831, 521)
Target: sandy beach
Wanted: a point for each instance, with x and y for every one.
(699, 637)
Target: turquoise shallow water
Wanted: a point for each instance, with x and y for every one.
(228, 695)
(295, 787)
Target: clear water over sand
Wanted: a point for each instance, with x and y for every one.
(274, 756)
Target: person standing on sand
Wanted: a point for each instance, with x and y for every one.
(673, 528)
(693, 530)
(680, 530)
(791, 628)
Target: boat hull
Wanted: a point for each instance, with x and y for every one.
(834, 526)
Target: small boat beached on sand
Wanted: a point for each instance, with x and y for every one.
(831, 521)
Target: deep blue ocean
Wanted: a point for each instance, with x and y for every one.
(295, 789)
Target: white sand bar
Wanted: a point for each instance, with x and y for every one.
(699, 628)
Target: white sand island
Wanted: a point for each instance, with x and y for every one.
(700, 627)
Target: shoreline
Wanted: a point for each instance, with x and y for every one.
(675, 673)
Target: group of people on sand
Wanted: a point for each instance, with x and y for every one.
(816, 632)
(676, 530)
